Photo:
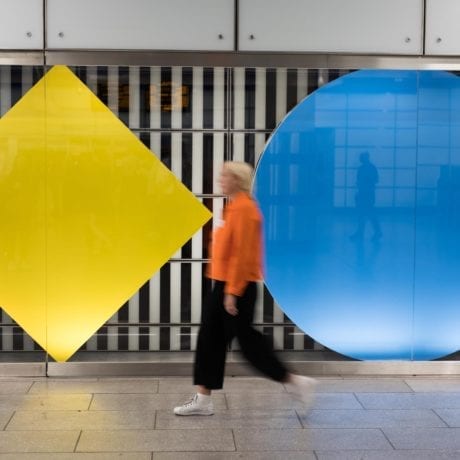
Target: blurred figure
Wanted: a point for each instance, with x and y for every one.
(367, 178)
(236, 266)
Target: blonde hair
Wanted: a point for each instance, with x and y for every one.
(242, 171)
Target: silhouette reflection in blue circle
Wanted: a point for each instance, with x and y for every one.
(360, 190)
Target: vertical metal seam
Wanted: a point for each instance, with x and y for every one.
(236, 25)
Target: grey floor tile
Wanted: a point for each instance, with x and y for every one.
(371, 418)
(437, 385)
(362, 386)
(15, 386)
(301, 455)
(156, 440)
(409, 400)
(285, 401)
(231, 385)
(42, 402)
(80, 456)
(59, 386)
(424, 438)
(38, 441)
(82, 420)
(231, 419)
(310, 439)
(5, 416)
(389, 455)
(450, 416)
(147, 402)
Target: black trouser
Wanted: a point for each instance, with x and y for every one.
(218, 328)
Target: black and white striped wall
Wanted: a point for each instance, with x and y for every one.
(193, 119)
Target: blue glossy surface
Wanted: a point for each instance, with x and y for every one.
(360, 189)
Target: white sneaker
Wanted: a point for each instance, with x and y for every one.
(196, 406)
(302, 388)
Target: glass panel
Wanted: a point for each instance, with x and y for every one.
(371, 171)
(23, 229)
(437, 266)
(339, 221)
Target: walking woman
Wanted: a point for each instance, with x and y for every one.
(236, 266)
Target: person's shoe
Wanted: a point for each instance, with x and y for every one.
(198, 405)
(302, 388)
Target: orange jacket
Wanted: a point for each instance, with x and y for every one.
(236, 246)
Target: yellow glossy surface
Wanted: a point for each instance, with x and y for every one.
(91, 213)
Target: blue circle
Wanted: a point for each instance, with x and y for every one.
(360, 191)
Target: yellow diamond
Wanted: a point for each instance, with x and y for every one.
(88, 213)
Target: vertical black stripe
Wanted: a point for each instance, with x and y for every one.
(270, 99)
(18, 339)
(308, 343)
(37, 74)
(313, 76)
(165, 96)
(187, 97)
(268, 307)
(165, 154)
(249, 148)
(81, 73)
(144, 137)
(208, 161)
(185, 293)
(16, 83)
(333, 74)
(144, 97)
(144, 342)
(123, 317)
(165, 340)
(187, 160)
(249, 98)
(228, 99)
(102, 341)
(185, 338)
(291, 90)
(208, 98)
(102, 85)
(144, 303)
(186, 177)
(123, 313)
(123, 94)
(288, 338)
(165, 294)
(123, 338)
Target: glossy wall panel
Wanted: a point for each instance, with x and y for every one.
(141, 24)
(437, 291)
(331, 26)
(358, 187)
(22, 210)
(21, 24)
(192, 119)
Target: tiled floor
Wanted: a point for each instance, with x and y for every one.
(371, 418)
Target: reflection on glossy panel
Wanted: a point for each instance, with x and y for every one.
(22, 211)
(358, 186)
(105, 213)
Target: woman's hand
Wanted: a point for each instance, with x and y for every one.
(230, 304)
